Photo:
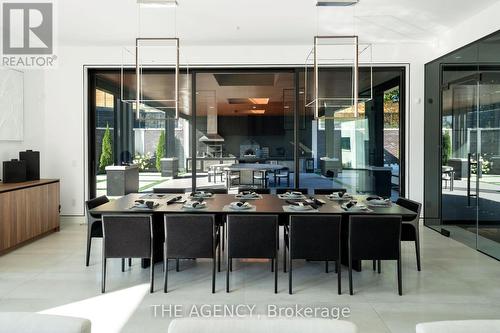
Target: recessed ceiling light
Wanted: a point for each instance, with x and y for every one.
(259, 100)
(158, 3)
(336, 3)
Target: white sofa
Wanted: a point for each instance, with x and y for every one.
(24, 322)
(460, 326)
(259, 325)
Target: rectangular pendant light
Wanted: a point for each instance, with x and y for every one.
(336, 3)
(158, 3)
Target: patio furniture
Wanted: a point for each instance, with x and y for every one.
(448, 175)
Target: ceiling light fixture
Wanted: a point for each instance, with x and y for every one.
(259, 100)
(158, 3)
(336, 3)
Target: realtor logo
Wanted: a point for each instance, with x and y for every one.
(28, 34)
(27, 28)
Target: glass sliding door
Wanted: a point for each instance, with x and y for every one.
(358, 153)
(152, 139)
(470, 199)
(459, 152)
(487, 169)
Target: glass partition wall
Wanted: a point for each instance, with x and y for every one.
(118, 135)
(465, 205)
(249, 117)
(360, 153)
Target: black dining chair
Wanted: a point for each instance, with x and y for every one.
(410, 227)
(257, 190)
(284, 190)
(219, 219)
(127, 236)
(215, 190)
(189, 236)
(280, 174)
(94, 222)
(174, 190)
(313, 237)
(375, 238)
(326, 191)
(252, 236)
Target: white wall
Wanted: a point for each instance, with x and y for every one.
(468, 31)
(34, 119)
(55, 117)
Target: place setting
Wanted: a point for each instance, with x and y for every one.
(248, 195)
(197, 204)
(145, 205)
(339, 196)
(355, 206)
(376, 201)
(307, 205)
(239, 206)
(176, 200)
(201, 195)
(292, 195)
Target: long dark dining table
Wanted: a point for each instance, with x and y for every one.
(268, 204)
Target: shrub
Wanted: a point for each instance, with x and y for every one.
(144, 162)
(446, 147)
(160, 150)
(106, 151)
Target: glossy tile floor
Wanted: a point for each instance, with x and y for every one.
(49, 275)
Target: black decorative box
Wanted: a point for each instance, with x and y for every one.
(32, 159)
(14, 171)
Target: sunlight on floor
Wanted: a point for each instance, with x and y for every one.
(109, 312)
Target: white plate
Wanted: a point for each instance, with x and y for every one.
(357, 207)
(248, 196)
(291, 196)
(377, 202)
(233, 205)
(300, 208)
(335, 196)
(189, 205)
(202, 195)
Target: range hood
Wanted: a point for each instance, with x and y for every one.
(212, 135)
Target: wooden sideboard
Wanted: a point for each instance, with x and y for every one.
(28, 210)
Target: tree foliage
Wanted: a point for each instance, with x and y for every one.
(160, 150)
(106, 151)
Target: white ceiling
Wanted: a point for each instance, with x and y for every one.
(253, 22)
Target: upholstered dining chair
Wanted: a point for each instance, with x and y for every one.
(326, 191)
(313, 237)
(375, 238)
(410, 227)
(252, 236)
(94, 222)
(127, 236)
(191, 236)
(174, 190)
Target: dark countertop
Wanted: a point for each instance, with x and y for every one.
(7, 187)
